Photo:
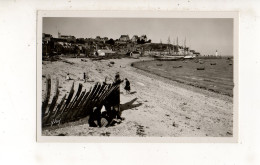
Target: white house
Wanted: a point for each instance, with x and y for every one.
(104, 52)
(135, 54)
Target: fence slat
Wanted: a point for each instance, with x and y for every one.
(89, 106)
(70, 107)
(81, 104)
(85, 105)
(102, 91)
(73, 108)
(109, 91)
(76, 106)
(93, 102)
(53, 103)
(64, 110)
(47, 96)
(103, 95)
(57, 111)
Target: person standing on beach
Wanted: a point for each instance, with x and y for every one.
(116, 100)
(127, 86)
(117, 79)
(84, 77)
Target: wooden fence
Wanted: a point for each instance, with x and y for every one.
(81, 105)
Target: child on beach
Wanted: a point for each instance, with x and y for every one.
(84, 77)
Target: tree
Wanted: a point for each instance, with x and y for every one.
(80, 41)
(142, 41)
(110, 41)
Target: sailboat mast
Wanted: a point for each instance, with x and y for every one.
(169, 43)
(177, 46)
(185, 46)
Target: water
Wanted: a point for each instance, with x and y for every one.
(217, 78)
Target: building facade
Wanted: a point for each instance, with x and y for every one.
(124, 38)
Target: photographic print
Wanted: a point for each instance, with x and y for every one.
(151, 75)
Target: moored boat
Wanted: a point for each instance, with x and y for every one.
(168, 58)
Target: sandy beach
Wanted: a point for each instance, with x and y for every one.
(156, 106)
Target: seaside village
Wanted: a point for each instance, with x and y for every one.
(103, 46)
(101, 104)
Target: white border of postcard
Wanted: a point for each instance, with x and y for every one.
(137, 14)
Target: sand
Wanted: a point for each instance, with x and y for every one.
(156, 106)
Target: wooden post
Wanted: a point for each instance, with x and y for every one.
(77, 106)
(64, 110)
(81, 104)
(53, 103)
(47, 96)
(72, 103)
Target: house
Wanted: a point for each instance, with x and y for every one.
(64, 44)
(79, 46)
(124, 38)
(98, 38)
(104, 39)
(68, 38)
(135, 54)
(105, 52)
(134, 38)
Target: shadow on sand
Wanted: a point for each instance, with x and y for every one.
(129, 105)
(133, 92)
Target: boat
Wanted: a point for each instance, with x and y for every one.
(168, 58)
(181, 53)
(189, 56)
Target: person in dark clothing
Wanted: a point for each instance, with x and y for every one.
(116, 100)
(117, 79)
(127, 86)
(109, 115)
(84, 77)
(95, 117)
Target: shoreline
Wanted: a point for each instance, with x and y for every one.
(184, 85)
(179, 81)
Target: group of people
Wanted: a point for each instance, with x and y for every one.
(127, 83)
(109, 112)
(105, 116)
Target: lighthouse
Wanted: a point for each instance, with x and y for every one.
(216, 53)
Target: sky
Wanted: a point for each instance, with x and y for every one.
(205, 35)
